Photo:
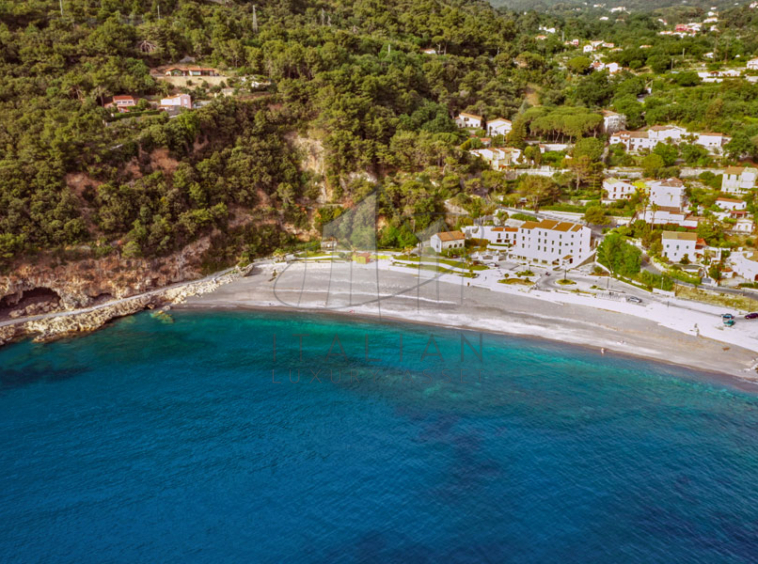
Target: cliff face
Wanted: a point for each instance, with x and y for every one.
(56, 326)
(46, 287)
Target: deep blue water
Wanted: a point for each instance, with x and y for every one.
(154, 442)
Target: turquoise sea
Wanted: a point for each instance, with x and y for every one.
(187, 442)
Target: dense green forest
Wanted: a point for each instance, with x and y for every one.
(351, 75)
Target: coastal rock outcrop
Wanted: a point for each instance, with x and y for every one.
(50, 285)
(55, 326)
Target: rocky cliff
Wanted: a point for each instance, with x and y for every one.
(55, 326)
(50, 285)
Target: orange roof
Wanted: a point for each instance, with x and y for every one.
(447, 236)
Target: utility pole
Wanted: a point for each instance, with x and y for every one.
(159, 11)
(255, 20)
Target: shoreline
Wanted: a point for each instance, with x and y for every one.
(741, 383)
(591, 327)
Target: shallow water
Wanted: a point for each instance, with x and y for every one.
(187, 442)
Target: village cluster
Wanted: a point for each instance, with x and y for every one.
(565, 241)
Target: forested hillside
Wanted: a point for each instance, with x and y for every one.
(350, 80)
(352, 74)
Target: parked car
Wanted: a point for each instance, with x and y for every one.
(753, 315)
(634, 300)
(726, 316)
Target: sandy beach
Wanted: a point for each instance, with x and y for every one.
(453, 301)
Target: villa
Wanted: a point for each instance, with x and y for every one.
(121, 103)
(499, 159)
(738, 180)
(499, 126)
(666, 204)
(553, 242)
(469, 121)
(677, 245)
(616, 189)
(752, 64)
(731, 204)
(177, 101)
(635, 141)
(446, 240)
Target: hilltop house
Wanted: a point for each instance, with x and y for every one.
(553, 242)
(499, 126)
(737, 180)
(752, 64)
(613, 122)
(677, 244)
(469, 121)
(121, 103)
(447, 240)
(177, 101)
(616, 189)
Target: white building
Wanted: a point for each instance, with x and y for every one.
(666, 204)
(713, 142)
(612, 121)
(447, 240)
(500, 158)
(617, 189)
(553, 242)
(635, 141)
(469, 121)
(731, 204)
(738, 180)
(177, 101)
(667, 193)
(499, 126)
(677, 244)
(497, 236)
(752, 64)
(670, 216)
(744, 226)
(745, 264)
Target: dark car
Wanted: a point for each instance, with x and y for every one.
(751, 316)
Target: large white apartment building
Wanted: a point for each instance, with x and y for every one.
(557, 243)
(676, 244)
(738, 180)
(617, 189)
(635, 141)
